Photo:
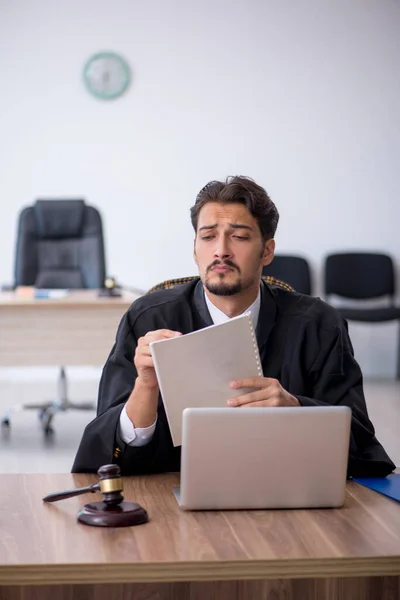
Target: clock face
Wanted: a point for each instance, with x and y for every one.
(106, 75)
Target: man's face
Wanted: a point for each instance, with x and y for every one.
(229, 250)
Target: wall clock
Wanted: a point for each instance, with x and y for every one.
(106, 75)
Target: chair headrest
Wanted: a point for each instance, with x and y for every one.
(59, 218)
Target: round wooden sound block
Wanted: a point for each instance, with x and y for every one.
(101, 514)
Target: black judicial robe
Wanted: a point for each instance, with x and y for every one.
(303, 343)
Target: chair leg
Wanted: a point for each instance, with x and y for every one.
(61, 403)
(62, 389)
(47, 410)
(46, 416)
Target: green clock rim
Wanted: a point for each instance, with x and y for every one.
(125, 67)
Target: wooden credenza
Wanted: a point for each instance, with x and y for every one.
(348, 553)
(79, 329)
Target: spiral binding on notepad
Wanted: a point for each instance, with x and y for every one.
(255, 345)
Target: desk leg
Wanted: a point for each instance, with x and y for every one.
(349, 588)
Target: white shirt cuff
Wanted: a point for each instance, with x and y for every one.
(134, 436)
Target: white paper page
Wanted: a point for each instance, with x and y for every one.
(196, 369)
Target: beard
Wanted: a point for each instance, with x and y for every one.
(221, 288)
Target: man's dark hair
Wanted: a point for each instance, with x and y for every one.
(245, 191)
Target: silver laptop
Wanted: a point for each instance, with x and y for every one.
(249, 458)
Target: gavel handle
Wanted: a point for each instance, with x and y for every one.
(68, 494)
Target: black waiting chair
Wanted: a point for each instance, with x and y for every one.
(59, 245)
(294, 270)
(363, 276)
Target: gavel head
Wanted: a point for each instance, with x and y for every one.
(111, 484)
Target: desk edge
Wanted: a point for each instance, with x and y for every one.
(86, 573)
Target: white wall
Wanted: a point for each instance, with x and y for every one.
(303, 96)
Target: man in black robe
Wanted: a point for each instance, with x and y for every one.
(305, 349)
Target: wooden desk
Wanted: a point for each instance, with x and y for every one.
(349, 553)
(77, 330)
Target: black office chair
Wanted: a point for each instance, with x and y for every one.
(363, 276)
(59, 245)
(294, 270)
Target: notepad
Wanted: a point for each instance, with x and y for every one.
(195, 370)
(388, 486)
(51, 294)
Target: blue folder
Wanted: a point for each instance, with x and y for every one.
(388, 486)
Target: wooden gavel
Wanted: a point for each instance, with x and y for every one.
(113, 511)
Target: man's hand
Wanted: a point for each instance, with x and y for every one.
(141, 406)
(268, 392)
(143, 359)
